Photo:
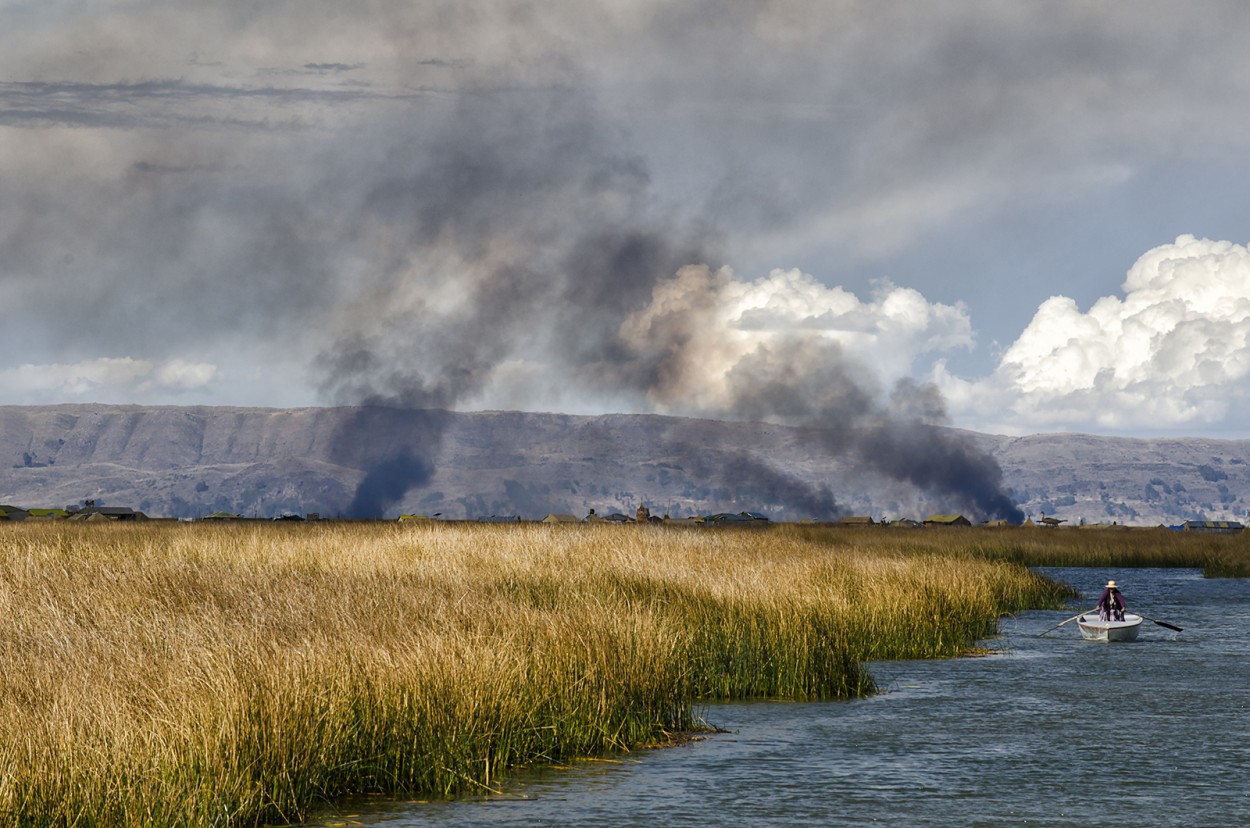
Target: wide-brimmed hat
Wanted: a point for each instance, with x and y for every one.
(1111, 585)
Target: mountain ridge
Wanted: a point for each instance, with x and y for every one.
(186, 461)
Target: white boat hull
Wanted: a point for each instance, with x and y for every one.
(1094, 629)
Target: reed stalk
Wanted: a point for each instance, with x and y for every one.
(174, 674)
(1218, 555)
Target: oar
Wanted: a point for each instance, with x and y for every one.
(1061, 623)
(1160, 623)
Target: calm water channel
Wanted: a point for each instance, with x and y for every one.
(1049, 731)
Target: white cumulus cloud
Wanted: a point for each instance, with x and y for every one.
(718, 334)
(1173, 351)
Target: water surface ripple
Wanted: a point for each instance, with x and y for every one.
(1049, 731)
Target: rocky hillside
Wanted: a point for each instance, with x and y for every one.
(190, 461)
(1114, 479)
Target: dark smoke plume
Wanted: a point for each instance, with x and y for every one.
(813, 383)
(387, 482)
(394, 446)
(938, 461)
(520, 232)
(908, 441)
(756, 481)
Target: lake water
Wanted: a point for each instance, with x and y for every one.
(1049, 731)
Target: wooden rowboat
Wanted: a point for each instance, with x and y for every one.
(1095, 629)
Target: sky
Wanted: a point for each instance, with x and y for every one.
(1015, 218)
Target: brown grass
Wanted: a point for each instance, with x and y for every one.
(173, 674)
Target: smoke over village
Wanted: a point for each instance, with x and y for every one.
(555, 268)
(802, 218)
(470, 411)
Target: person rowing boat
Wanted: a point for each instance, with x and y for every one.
(1111, 603)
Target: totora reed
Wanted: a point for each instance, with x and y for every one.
(188, 674)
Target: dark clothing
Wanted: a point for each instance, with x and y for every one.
(1111, 605)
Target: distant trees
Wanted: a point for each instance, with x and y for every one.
(1211, 474)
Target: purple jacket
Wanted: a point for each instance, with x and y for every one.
(1111, 602)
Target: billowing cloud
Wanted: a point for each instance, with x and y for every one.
(719, 341)
(1172, 352)
(467, 204)
(786, 348)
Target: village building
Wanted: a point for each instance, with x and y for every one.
(1213, 526)
(47, 514)
(947, 520)
(737, 519)
(93, 512)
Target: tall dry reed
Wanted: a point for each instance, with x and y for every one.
(172, 674)
(1120, 547)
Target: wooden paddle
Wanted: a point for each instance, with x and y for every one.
(1160, 623)
(1073, 618)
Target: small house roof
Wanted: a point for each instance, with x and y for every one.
(109, 512)
(48, 513)
(948, 520)
(1213, 525)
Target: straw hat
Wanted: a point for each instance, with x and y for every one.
(1111, 585)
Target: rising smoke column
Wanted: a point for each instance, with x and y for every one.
(512, 242)
(914, 447)
(515, 244)
(536, 252)
(754, 480)
(394, 446)
(387, 481)
(784, 349)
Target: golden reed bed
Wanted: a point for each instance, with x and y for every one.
(189, 674)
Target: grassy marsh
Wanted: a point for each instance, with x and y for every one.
(1218, 555)
(173, 674)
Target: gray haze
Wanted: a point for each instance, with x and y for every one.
(466, 205)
